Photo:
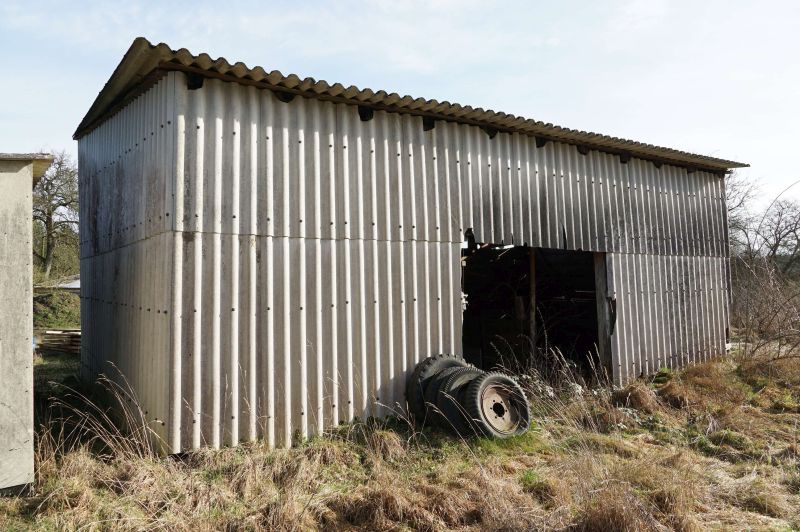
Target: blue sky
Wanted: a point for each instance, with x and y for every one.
(715, 77)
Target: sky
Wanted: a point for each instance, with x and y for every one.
(715, 77)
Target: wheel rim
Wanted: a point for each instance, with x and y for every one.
(499, 409)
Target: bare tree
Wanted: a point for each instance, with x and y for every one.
(739, 195)
(779, 234)
(55, 209)
(765, 271)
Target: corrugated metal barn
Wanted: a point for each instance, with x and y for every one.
(264, 256)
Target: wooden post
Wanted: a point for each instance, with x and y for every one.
(603, 313)
(532, 314)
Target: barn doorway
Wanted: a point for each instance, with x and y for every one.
(524, 306)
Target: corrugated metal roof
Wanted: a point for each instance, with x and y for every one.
(144, 62)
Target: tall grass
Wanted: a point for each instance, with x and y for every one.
(646, 457)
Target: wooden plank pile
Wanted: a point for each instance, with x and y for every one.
(58, 341)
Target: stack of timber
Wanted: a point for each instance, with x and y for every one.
(58, 341)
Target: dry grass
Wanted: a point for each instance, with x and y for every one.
(702, 448)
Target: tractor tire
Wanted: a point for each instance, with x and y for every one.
(425, 371)
(497, 406)
(450, 400)
(432, 414)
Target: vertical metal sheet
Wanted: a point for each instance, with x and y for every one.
(264, 269)
(669, 312)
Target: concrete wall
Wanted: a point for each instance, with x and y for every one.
(16, 324)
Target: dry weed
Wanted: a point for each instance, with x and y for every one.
(615, 507)
(638, 396)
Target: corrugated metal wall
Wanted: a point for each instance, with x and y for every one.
(308, 258)
(670, 310)
(126, 169)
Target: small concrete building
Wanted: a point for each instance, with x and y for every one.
(19, 173)
(265, 256)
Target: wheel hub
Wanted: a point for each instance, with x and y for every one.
(498, 409)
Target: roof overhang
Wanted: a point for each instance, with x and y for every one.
(145, 63)
(40, 162)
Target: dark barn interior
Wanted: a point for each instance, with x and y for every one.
(524, 306)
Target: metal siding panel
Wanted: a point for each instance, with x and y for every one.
(642, 322)
(617, 354)
(627, 314)
(549, 203)
(565, 237)
(538, 214)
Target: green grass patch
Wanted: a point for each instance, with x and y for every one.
(663, 376)
(57, 310)
(53, 370)
(530, 480)
(529, 443)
